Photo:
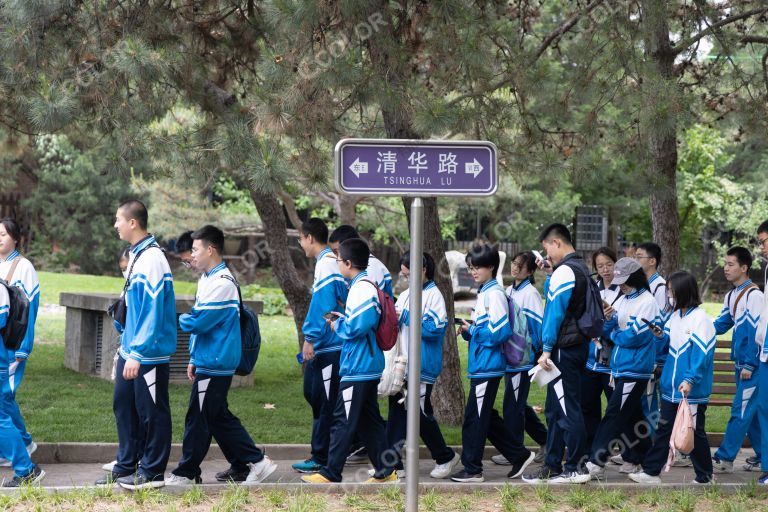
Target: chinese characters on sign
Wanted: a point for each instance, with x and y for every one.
(392, 167)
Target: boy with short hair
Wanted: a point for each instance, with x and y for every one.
(215, 348)
(760, 337)
(649, 256)
(147, 341)
(322, 346)
(362, 362)
(741, 311)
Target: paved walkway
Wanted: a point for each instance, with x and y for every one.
(67, 475)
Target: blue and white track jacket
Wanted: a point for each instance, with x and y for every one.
(745, 352)
(214, 322)
(634, 352)
(329, 293)
(149, 333)
(361, 357)
(434, 321)
(489, 330)
(25, 278)
(691, 338)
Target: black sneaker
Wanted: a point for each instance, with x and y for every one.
(752, 464)
(139, 481)
(519, 467)
(32, 477)
(467, 478)
(358, 456)
(543, 475)
(232, 475)
(110, 478)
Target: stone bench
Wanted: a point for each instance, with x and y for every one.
(91, 339)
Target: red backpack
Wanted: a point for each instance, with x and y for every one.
(387, 330)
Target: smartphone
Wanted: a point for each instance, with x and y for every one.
(460, 321)
(651, 325)
(606, 305)
(330, 316)
(540, 258)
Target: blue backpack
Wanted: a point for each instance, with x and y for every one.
(517, 349)
(250, 335)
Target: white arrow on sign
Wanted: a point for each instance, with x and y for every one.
(473, 168)
(359, 167)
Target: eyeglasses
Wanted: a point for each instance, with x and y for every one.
(473, 269)
(605, 267)
(761, 241)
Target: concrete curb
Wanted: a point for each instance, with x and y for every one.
(363, 488)
(82, 453)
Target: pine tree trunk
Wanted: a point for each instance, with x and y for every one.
(661, 134)
(273, 220)
(347, 209)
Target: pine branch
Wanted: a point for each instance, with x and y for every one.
(686, 43)
(548, 41)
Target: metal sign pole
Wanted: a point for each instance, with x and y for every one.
(415, 285)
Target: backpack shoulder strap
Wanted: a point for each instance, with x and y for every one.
(745, 291)
(237, 285)
(15, 264)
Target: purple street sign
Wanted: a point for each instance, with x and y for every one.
(394, 167)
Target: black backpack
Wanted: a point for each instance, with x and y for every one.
(591, 321)
(18, 312)
(250, 335)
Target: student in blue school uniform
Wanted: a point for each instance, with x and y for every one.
(380, 275)
(649, 256)
(520, 417)
(16, 443)
(741, 312)
(563, 343)
(362, 362)
(147, 341)
(628, 327)
(596, 381)
(434, 321)
(760, 336)
(488, 330)
(322, 346)
(214, 354)
(688, 372)
(18, 271)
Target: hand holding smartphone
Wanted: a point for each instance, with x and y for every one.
(541, 261)
(654, 328)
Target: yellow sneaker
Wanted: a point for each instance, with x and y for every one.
(315, 478)
(392, 477)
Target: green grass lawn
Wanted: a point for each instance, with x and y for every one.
(62, 405)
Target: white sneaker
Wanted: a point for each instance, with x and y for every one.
(595, 472)
(260, 471)
(617, 459)
(445, 470)
(641, 477)
(722, 466)
(500, 460)
(32, 448)
(179, 481)
(571, 477)
(109, 466)
(628, 468)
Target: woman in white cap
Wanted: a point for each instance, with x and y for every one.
(629, 326)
